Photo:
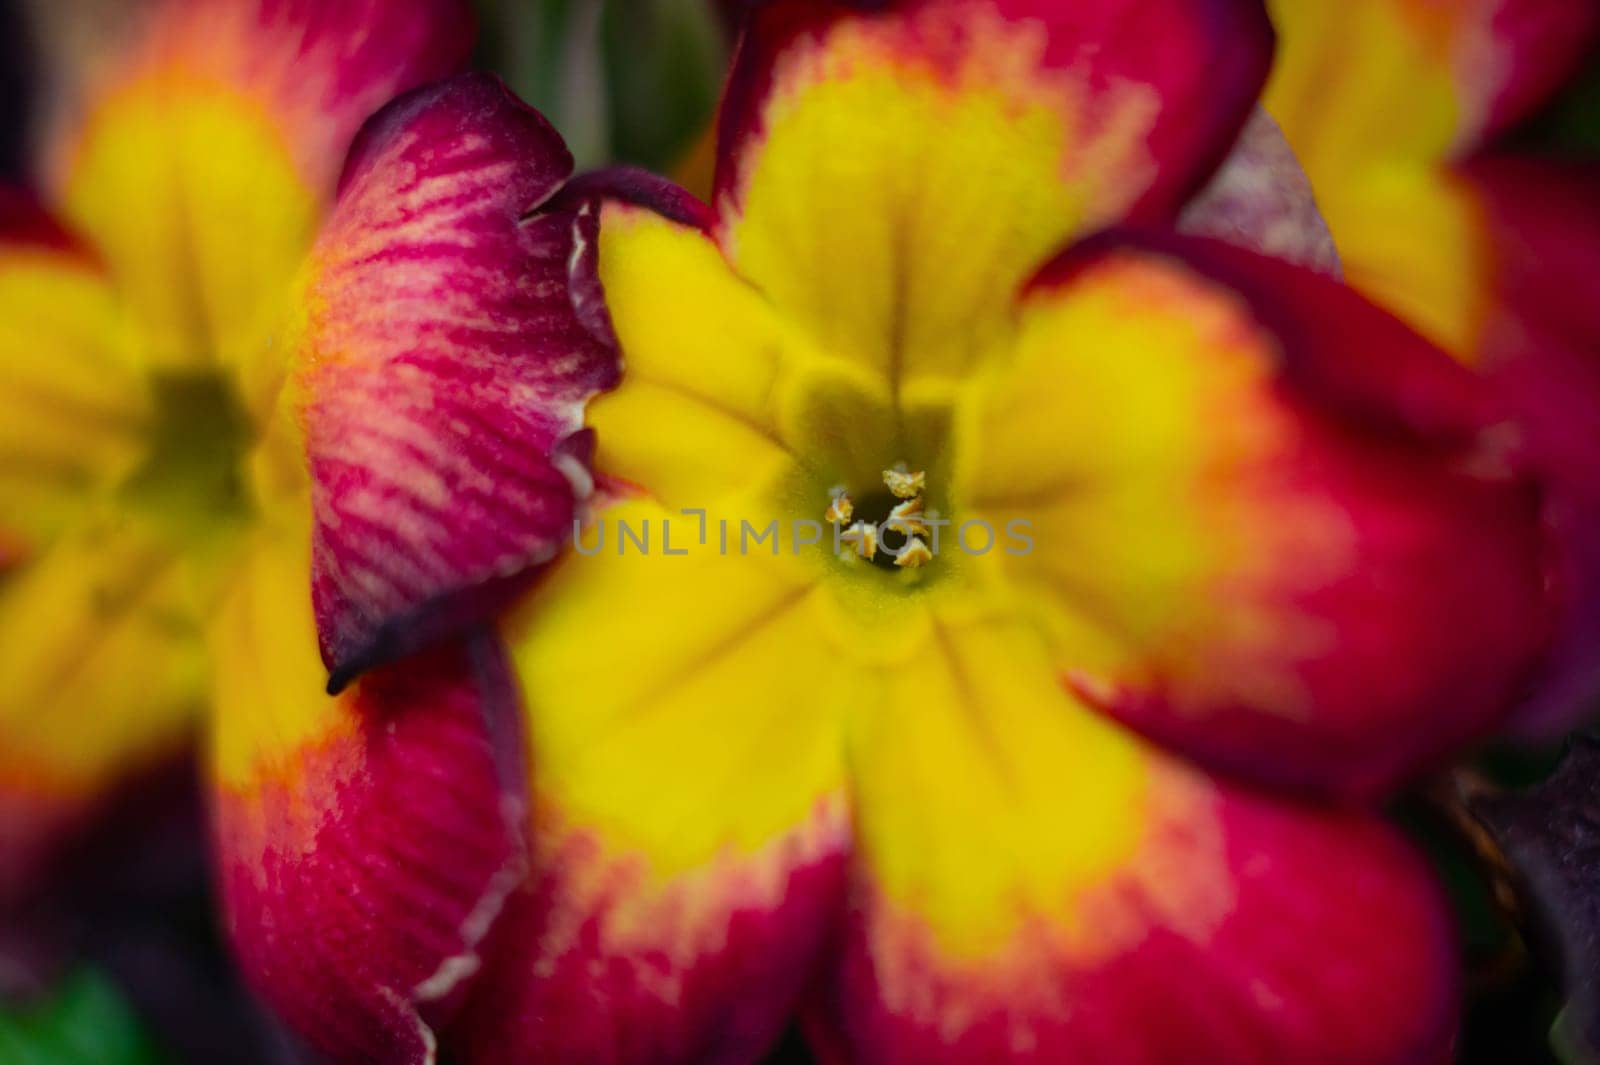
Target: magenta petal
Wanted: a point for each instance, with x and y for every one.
(1203, 64)
(1435, 611)
(1540, 44)
(442, 366)
(1330, 944)
(360, 875)
(1541, 349)
(1373, 371)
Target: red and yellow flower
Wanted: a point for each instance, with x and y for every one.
(203, 513)
(1230, 551)
(1073, 802)
(1395, 107)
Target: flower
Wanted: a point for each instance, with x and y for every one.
(215, 499)
(1092, 788)
(181, 189)
(1492, 255)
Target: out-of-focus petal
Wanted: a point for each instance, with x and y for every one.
(1034, 885)
(1412, 239)
(1261, 199)
(1290, 550)
(1540, 346)
(104, 673)
(365, 842)
(73, 413)
(887, 176)
(1358, 82)
(689, 816)
(202, 139)
(1496, 261)
(1376, 95)
(441, 372)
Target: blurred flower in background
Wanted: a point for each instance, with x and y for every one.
(186, 153)
(1396, 109)
(197, 499)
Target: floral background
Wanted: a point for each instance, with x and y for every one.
(120, 962)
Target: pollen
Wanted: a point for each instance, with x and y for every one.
(840, 509)
(914, 555)
(863, 536)
(903, 482)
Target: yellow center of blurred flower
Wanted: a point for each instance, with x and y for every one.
(191, 479)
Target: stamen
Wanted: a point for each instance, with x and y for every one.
(863, 536)
(896, 539)
(914, 554)
(841, 508)
(903, 483)
(907, 518)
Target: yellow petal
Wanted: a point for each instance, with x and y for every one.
(101, 651)
(889, 176)
(701, 635)
(704, 354)
(73, 413)
(206, 257)
(690, 822)
(196, 143)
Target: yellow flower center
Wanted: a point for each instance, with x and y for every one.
(894, 529)
(192, 478)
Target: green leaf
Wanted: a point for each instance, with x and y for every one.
(665, 62)
(85, 1022)
(630, 81)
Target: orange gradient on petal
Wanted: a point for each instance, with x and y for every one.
(273, 729)
(1176, 878)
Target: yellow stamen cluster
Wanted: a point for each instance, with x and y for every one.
(907, 518)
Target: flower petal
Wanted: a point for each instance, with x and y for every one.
(104, 675)
(1411, 238)
(367, 841)
(689, 819)
(887, 177)
(1261, 199)
(1394, 81)
(1303, 558)
(442, 371)
(1376, 96)
(73, 413)
(1471, 255)
(1036, 885)
(204, 140)
(705, 355)
(1540, 346)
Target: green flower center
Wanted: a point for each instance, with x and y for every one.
(192, 479)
